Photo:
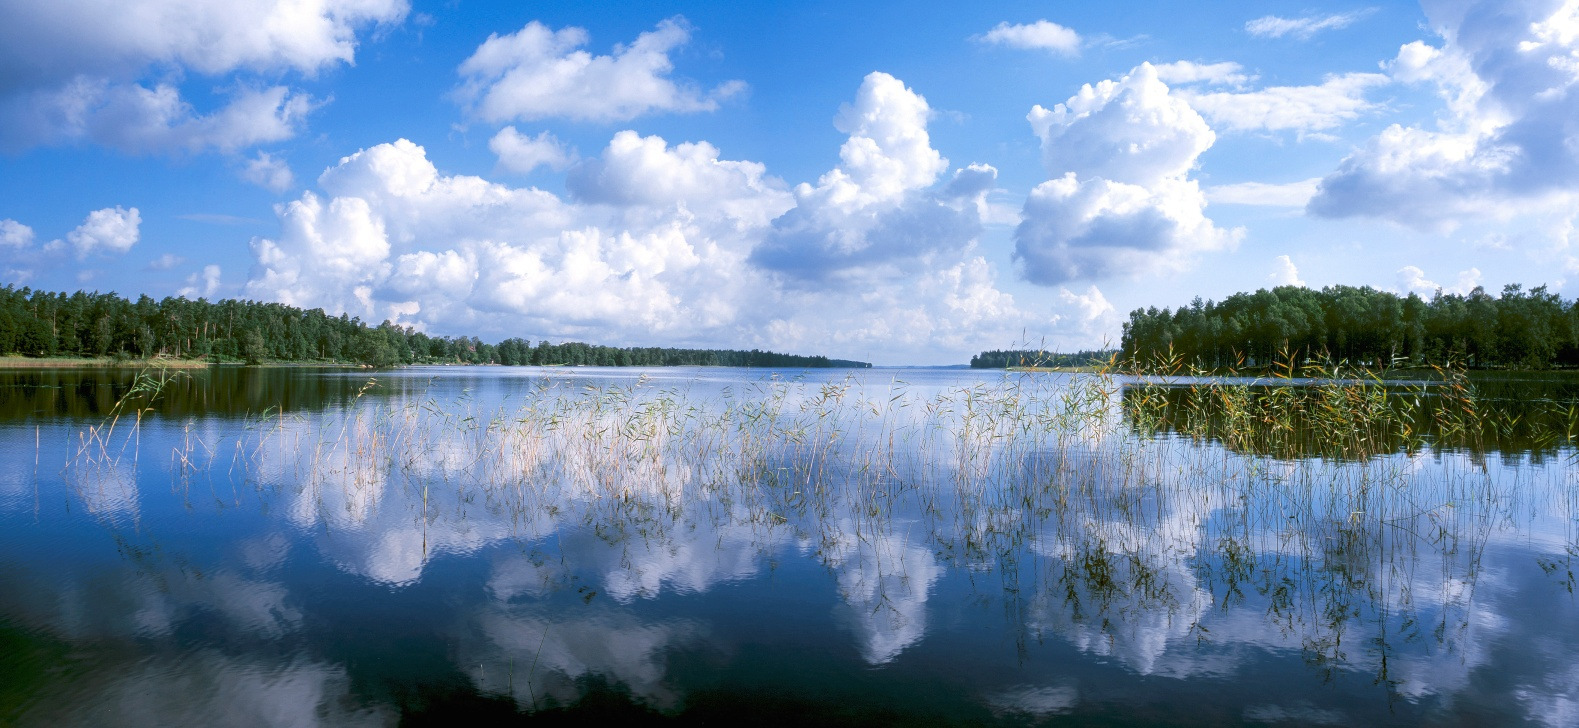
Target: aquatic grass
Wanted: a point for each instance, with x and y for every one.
(1101, 501)
(95, 467)
(95, 441)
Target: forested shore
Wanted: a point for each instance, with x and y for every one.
(36, 323)
(1524, 329)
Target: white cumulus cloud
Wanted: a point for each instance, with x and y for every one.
(110, 230)
(54, 41)
(327, 255)
(1120, 200)
(1040, 35)
(1132, 130)
(1413, 279)
(396, 237)
(1089, 315)
(140, 120)
(874, 211)
(634, 170)
(521, 154)
(658, 243)
(69, 75)
(14, 234)
(1284, 273)
(1507, 142)
(889, 151)
(539, 73)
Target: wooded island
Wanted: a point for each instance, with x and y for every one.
(1039, 359)
(1526, 329)
(1520, 329)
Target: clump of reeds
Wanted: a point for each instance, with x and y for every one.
(1312, 408)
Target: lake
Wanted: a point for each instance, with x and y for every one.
(296, 546)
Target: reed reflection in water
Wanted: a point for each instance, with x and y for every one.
(628, 527)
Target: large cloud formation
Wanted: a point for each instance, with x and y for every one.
(1508, 140)
(660, 243)
(1120, 199)
(68, 76)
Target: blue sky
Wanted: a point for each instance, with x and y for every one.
(897, 182)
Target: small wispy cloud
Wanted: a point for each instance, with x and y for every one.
(1040, 35)
(1103, 41)
(1261, 194)
(1272, 26)
(1307, 110)
(269, 172)
(201, 284)
(1186, 72)
(166, 262)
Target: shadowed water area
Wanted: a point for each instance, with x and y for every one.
(339, 547)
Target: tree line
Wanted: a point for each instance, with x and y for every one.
(1533, 329)
(1005, 358)
(44, 323)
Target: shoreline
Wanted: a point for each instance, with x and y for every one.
(1402, 374)
(12, 362)
(98, 362)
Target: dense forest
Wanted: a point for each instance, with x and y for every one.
(1532, 329)
(1005, 358)
(42, 323)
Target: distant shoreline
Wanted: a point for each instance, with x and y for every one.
(1269, 373)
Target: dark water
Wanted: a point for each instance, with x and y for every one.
(297, 547)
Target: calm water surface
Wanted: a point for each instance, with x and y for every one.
(305, 547)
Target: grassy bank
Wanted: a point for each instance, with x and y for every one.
(71, 362)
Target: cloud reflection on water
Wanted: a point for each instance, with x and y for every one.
(1170, 559)
(208, 688)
